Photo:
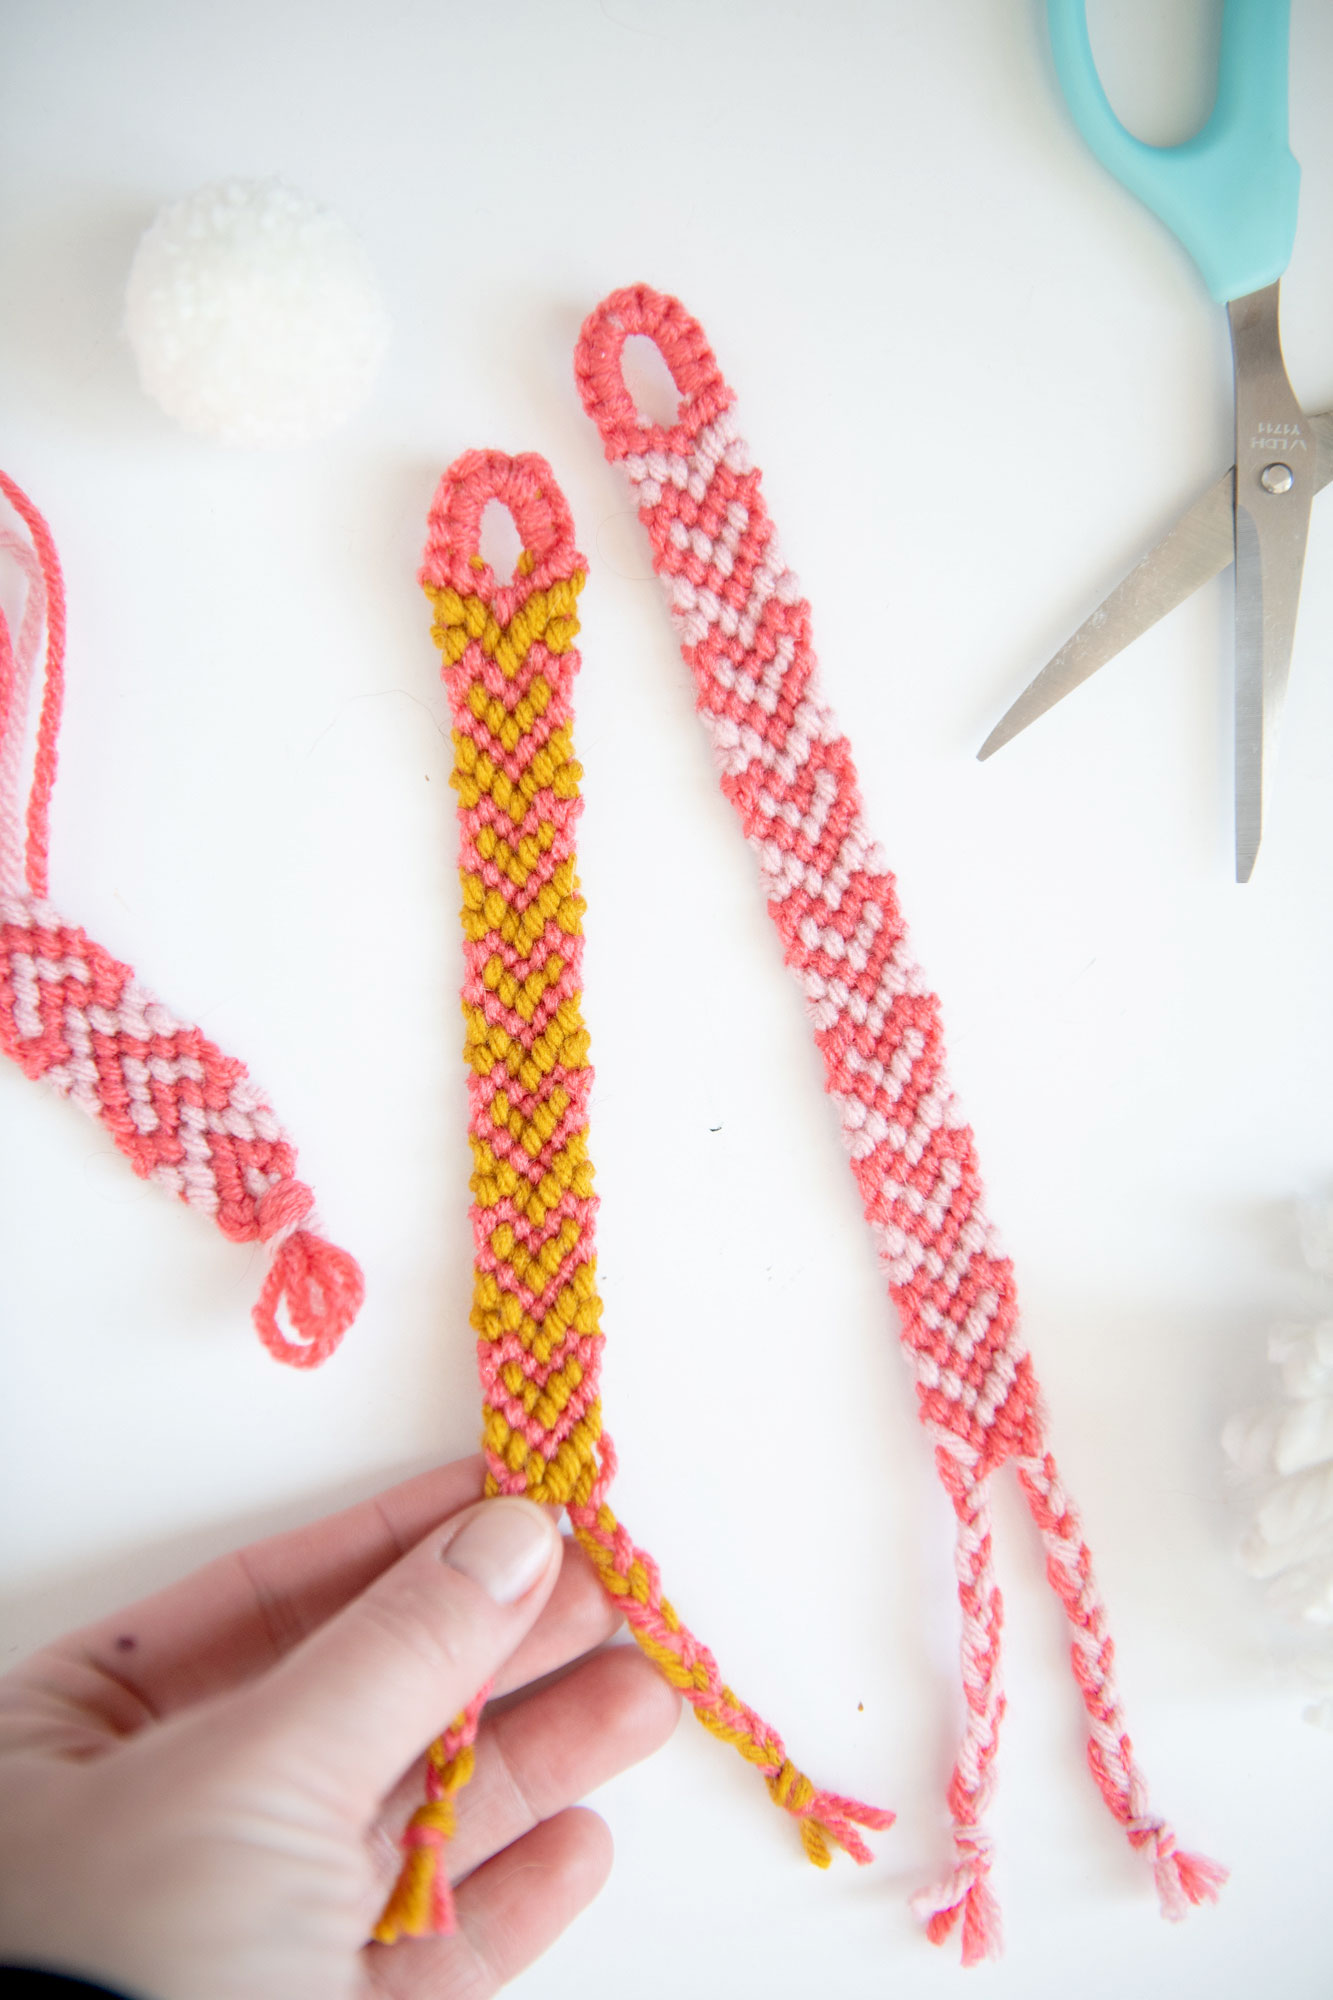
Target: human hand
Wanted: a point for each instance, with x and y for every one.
(200, 1796)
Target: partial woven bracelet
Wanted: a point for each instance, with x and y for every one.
(744, 628)
(509, 667)
(184, 1114)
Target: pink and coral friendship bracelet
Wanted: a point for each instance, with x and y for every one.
(182, 1113)
(189, 1117)
(744, 629)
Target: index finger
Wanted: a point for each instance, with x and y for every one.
(236, 1617)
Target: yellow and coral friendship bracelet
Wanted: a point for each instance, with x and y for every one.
(509, 667)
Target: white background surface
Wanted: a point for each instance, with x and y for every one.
(979, 378)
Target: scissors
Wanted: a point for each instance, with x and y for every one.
(1229, 194)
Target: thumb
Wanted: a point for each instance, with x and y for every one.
(365, 1694)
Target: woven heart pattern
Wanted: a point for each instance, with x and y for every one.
(535, 1305)
(183, 1114)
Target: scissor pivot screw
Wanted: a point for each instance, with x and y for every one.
(1277, 478)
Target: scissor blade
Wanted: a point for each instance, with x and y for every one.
(1197, 549)
(1276, 454)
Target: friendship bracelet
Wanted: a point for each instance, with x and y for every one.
(509, 667)
(744, 629)
(182, 1113)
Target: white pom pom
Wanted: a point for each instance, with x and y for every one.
(1305, 1356)
(254, 314)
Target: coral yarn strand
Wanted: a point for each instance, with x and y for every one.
(53, 693)
(17, 664)
(745, 631)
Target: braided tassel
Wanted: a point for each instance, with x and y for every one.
(1183, 1880)
(181, 1112)
(965, 1895)
(422, 1901)
(509, 667)
(744, 628)
(631, 1578)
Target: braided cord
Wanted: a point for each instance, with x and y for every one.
(744, 629)
(631, 1578)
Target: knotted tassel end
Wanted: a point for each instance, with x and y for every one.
(422, 1900)
(839, 1818)
(966, 1896)
(421, 1903)
(825, 1817)
(1184, 1881)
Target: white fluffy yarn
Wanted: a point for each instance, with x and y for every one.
(254, 314)
(1285, 1450)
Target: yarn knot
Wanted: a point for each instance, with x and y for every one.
(824, 1816)
(431, 1825)
(422, 1900)
(965, 1894)
(283, 1209)
(974, 1847)
(791, 1788)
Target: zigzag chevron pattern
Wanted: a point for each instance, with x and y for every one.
(744, 628)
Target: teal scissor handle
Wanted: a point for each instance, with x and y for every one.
(1230, 192)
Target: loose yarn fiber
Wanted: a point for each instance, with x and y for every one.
(745, 633)
(509, 668)
(184, 1114)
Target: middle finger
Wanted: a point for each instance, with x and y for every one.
(544, 1753)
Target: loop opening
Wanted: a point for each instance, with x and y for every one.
(541, 532)
(682, 349)
(649, 383)
(499, 543)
